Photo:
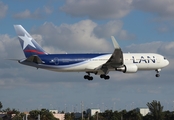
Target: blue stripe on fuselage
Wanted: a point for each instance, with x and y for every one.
(67, 59)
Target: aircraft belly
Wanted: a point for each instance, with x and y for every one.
(149, 66)
(88, 66)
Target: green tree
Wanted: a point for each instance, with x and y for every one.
(133, 115)
(33, 114)
(117, 115)
(167, 115)
(1, 105)
(17, 117)
(147, 117)
(156, 110)
(108, 114)
(44, 115)
(69, 116)
(10, 112)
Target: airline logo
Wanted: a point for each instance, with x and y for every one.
(144, 59)
(27, 41)
(55, 61)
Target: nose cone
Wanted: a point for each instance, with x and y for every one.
(167, 62)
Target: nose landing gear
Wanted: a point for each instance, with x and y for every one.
(157, 72)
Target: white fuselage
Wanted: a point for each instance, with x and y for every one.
(95, 63)
(143, 61)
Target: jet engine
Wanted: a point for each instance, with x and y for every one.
(130, 68)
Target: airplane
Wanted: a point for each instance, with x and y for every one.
(91, 63)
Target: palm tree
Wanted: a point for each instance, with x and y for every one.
(156, 110)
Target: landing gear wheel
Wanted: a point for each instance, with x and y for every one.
(106, 77)
(157, 75)
(102, 76)
(157, 72)
(88, 77)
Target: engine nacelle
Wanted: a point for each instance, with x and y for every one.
(130, 68)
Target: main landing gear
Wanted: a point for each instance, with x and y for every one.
(88, 77)
(106, 77)
(157, 72)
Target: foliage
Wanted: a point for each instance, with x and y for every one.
(69, 116)
(168, 115)
(44, 115)
(34, 114)
(156, 110)
(1, 105)
(133, 115)
(17, 117)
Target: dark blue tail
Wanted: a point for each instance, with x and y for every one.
(29, 45)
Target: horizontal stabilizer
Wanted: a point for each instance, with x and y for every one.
(13, 59)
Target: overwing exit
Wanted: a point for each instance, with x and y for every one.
(94, 63)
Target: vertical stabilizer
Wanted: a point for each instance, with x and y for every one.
(29, 45)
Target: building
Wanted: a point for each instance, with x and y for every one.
(93, 111)
(60, 116)
(53, 111)
(143, 111)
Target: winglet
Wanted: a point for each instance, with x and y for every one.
(116, 45)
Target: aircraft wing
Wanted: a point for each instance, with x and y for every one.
(116, 59)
